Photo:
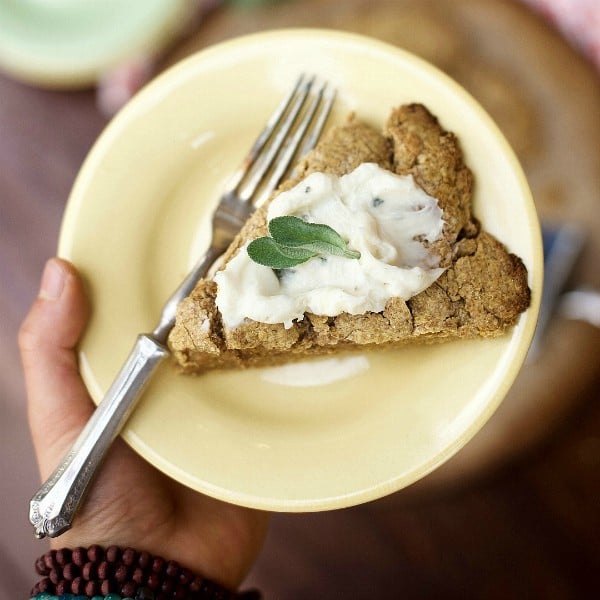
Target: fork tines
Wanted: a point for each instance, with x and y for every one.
(291, 131)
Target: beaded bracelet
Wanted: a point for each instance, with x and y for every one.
(122, 574)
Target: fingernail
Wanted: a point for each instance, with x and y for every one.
(53, 281)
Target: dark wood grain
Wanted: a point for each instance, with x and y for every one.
(44, 137)
(528, 529)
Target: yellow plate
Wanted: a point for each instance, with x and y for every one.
(137, 220)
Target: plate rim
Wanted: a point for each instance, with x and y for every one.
(526, 323)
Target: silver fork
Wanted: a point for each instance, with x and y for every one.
(296, 123)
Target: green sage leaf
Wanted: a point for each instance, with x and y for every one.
(295, 241)
(293, 231)
(320, 247)
(266, 251)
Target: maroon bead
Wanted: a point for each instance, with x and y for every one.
(153, 581)
(63, 587)
(129, 556)
(172, 569)
(144, 559)
(91, 588)
(105, 570)
(128, 589)
(46, 585)
(137, 575)
(40, 566)
(35, 590)
(77, 586)
(79, 556)
(70, 571)
(180, 592)
(49, 559)
(162, 596)
(89, 571)
(113, 554)
(185, 576)
(196, 584)
(158, 564)
(95, 553)
(63, 556)
(55, 575)
(107, 587)
(167, 586)
(121, 574)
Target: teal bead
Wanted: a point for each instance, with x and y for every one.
(97, 597)
(45, 596)
(112, 597)
(66, 597)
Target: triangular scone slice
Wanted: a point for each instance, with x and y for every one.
(480, 294)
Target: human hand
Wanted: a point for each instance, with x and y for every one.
(130, 503)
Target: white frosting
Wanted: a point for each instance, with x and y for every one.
(386, 217)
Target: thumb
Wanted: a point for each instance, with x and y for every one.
(58, 402)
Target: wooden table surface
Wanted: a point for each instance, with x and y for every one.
(526, 526)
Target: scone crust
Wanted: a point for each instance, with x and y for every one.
(480, 294)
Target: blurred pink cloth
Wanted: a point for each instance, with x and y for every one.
(578, 20)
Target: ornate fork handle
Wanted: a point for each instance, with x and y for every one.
(53, 507)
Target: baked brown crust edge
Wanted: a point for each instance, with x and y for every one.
(481, 293)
